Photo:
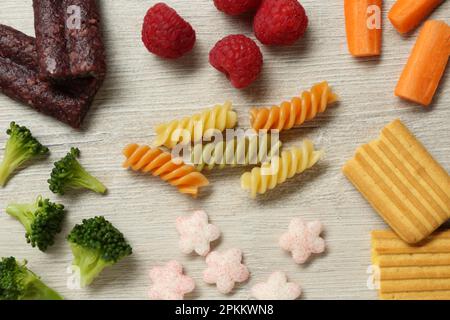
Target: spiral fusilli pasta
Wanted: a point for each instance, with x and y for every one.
(269, 175)
(296, 112)
(239, 151)
(220, 117)
(159, 163)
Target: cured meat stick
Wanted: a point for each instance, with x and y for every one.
(68, 39)
(19, 80)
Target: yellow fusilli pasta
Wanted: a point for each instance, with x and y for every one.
(239, 151)
(296, 112)
(220, 117)
(292, 162)
(160, 163)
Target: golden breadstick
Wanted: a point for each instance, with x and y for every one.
(408, 271)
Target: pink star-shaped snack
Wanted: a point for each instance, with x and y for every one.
(169, 282)
(196, 233)
(225, 269)
(276, 288)
(302, 239)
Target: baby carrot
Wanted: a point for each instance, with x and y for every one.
(426, 65)
(363, 26)
(406, 15)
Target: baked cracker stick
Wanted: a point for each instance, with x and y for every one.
(425, 295)
(414, 273)
(412, 285)
(412, 259)
(439, 242)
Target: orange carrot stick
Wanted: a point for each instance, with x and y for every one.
(406, 15)
(363, 26)
(426, 65)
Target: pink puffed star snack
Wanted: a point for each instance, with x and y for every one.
(196, 233)
(225, 269)
(169, 282)
(277, 287)
(302, 239)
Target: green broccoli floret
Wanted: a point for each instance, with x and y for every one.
(20, 148)
(68, 173)
(96, 244)
(42, 221)
(17, 282)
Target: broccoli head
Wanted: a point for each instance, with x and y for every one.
(20, 148)
(42, 221)
(96, 244)
(69, 174)
(17, 282)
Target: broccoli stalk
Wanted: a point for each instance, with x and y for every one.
(42, 221)
(68, 173)
(20, 148)
(96, 244)
(89, 263)
(17, 282)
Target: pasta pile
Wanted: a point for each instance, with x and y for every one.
(159, 163)
(219, 118)
(296, 112)
(258, 147)
(239, 151)
(292, 161)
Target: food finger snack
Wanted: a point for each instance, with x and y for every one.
(291, 162)
(68, 102)
(402, 181)
(225, 269)
(20, 148)
(17, 282)
(41, 219)
(68, 173)
(169, 282)
(303, 108)
(426, 65)
(363, 27)
(193, 128)
(239, 151)
(239, 58)
(68, 39)
(196, 233)
(412, 272)
(96, 244)
(160, 163)
(236, 7)
(277, 287)
(303, 239)
(280, 22)
(165, 33)
(406, 15)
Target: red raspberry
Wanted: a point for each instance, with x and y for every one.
(280, 22)
(165, 33)
(239, 57)
(236, 7)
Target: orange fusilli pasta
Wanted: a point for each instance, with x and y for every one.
(160, 163)
(294, 113)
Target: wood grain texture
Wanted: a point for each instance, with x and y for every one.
(141, 91)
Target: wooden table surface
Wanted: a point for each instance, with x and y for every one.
(142, 90)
